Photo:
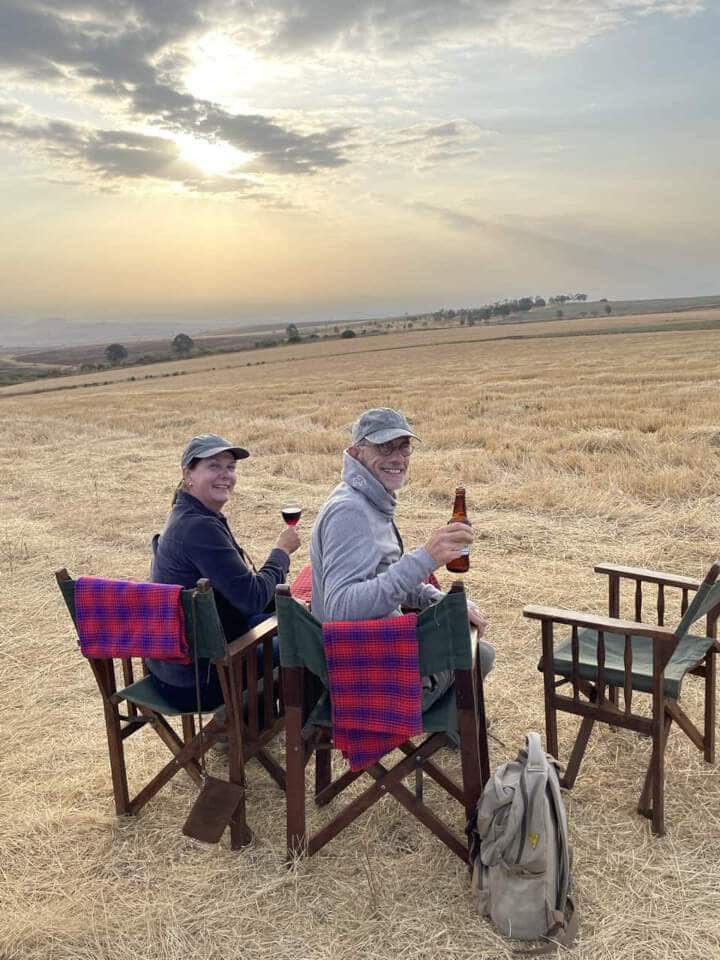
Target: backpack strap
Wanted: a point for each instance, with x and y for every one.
(563, 841)
(536, 756)
(562, 934)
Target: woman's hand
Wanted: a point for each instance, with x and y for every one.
(288, 540)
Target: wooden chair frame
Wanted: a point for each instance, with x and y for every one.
(597, 700)
(249, 720)
(300, 689)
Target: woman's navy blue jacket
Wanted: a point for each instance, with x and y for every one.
(197, 542)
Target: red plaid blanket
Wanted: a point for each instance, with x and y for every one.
(120, 618)
(375, 686)
(301, 587)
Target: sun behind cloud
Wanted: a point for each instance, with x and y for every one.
(212, 157)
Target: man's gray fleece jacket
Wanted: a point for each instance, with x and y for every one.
(359, 569)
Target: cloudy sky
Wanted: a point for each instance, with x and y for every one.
(250, 158)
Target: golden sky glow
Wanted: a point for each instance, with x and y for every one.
(225, 161)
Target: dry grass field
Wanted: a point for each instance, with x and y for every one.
(573, 450)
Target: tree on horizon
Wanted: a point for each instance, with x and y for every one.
(115, 353)
(183, 344)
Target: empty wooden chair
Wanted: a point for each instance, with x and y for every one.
(249, 718)
(444, 642)
(610, 662)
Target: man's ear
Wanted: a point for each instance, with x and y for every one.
(354, 451)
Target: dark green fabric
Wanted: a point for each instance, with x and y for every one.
(210, 636)
(443, 644)
(144, 693)
(209, 632)
(300, 637)
(443, 634)
(707, 596)
(688, 653)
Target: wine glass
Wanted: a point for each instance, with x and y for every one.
(291, 512)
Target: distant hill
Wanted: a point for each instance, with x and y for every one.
(572, 310)
(85, 355)
(26, 335)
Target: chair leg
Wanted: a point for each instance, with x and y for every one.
(188, 727)
(104, 672)
(578, 752)
(295, 769)
(240, 833)
(116, 749)
(551, 735)
(470, 743)
(323, 765)
(293, 680)
(652, 799)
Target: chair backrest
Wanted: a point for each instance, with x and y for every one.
(202, 624)
(443, 635)
(706, 599)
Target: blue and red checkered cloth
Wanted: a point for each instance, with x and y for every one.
(375, 686)
(121, 618)
(301, 587)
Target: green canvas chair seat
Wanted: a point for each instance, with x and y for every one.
(444, 643)
(144, 693)
(686, 656)
(607, 660)
(244, 717)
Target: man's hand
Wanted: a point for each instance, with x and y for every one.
(447, 543)
(477, 618)
(288, 540)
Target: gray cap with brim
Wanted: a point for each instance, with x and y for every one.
(207, 445)
(381, 425)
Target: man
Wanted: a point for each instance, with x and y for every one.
(360, 570)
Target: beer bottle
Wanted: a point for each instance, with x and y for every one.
(460, 564)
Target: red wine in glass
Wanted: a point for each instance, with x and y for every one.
(291, 513)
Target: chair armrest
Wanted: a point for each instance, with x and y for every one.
(251, 639)
(649, 576)
(606, 624)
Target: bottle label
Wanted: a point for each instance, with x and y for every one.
(465, 550)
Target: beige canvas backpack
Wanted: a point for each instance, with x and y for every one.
(520, 853)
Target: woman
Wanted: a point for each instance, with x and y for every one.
(197, 542)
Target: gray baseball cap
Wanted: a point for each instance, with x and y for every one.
(207, 445)
(380, 425)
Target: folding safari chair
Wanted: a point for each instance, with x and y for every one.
(444, 643)
(605, 656)
(248, 717)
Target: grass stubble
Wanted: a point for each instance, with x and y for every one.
(573, 451)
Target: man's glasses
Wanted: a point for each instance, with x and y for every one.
(405, 447)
